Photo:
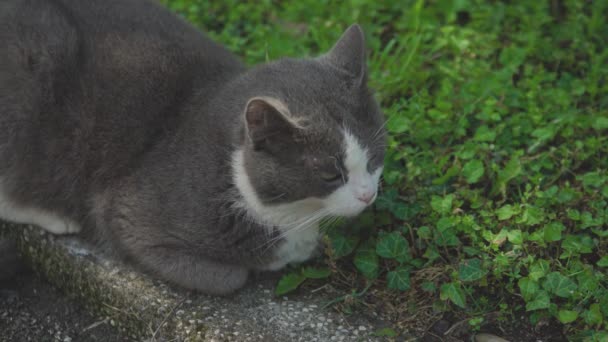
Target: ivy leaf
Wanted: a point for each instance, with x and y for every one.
(539, 302)
(510, 171)
(604, 305)
(484, 133)
(446, 236)
(601, 122)
(567, 316)
(528, 288)
(553, 231)
(366, 260)
(442, 205)
(316, 273)
(592, 179)
(471, 270)
(473, 171)
(451, 172)
(289, 282)
(393, 246)
(398, 124)
(559, 285)
(399, 279)
(576, 244)
(603, 233)
(587, 281)
(589, 221)
(593, 316)
(532, 216)
(343, 245)
(454, 292)
(603, 262)
(574, 214)
(506, 212)
(539, 269)
(515, 236)
(424, 232)
(428, 286)
(498, 239)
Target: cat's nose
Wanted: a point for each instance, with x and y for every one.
(367, 197)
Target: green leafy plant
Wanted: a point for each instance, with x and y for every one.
(294, 279)
(496, 174)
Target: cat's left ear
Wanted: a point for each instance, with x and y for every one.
(348, 54)
(269, 121)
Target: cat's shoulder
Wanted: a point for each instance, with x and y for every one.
(38, 34)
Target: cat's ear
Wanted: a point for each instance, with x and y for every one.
(348, 54)
(268, 119)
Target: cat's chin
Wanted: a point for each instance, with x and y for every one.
(348, 211)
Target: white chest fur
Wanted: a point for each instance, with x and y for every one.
(298, 246)
(297, 221)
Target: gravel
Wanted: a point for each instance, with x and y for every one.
(256, 315)
(32, 310)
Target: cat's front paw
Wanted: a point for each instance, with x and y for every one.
(234, 279)
(211, 278)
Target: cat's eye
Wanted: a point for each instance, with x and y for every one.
(330, 177)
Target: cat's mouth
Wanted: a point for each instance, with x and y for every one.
(345, 204)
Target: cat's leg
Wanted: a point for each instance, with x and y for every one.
(195, 273)
(161, 254)
(48, 221)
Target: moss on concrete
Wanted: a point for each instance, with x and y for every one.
(136, 305)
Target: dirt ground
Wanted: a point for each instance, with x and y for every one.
(516, 330)
(32, 310)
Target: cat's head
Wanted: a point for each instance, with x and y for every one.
(314, 139)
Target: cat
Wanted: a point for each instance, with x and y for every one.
(121, 121)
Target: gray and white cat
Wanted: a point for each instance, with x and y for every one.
(119, 119)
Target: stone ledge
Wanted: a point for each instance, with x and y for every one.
(144, 309)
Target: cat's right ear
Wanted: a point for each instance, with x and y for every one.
(269, 120)
(348, 54)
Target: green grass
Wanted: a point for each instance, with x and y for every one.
(496, 181)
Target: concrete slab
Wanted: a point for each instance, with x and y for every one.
(145, 309)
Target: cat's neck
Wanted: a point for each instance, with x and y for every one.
(302, 214)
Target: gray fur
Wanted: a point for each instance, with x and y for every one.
(121, 116)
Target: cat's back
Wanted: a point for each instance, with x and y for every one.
(104, 69)
(126, 34)
(89, 87)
